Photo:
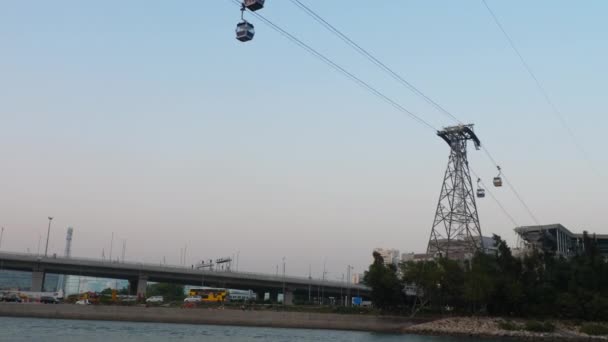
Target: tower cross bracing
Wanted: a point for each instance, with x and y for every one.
(456, 232)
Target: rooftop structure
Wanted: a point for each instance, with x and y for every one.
(555, 238)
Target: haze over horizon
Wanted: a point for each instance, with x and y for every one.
(148, 120)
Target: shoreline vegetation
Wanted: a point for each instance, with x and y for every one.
(534, 283)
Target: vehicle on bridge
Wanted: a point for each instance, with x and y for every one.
(192, 299)
(49, 300)
(32, 296)
(210, 295)
(155, 299)
(241, 295)
(11, 297)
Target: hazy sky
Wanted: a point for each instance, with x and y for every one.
(148, 119)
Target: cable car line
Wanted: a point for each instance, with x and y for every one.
(365, 53)
(497, 180)
(340, 69)
(556, 112)
(521, 200)
(495, 199)
(376, 92)
(515, 192)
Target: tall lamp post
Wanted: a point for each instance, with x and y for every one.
(323, 281)
(1, 233)
(46, 249)
(283, 281)
(348, 278)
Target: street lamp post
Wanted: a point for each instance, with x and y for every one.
(283, 281)
(48, 232)
(1, 234)
(348, 300)
(237, 260)
(323, 282)
(111, 245)
(309, 282)
(342, 297)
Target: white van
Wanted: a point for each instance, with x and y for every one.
(155, 299)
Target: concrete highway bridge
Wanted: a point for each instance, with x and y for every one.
(138, 274)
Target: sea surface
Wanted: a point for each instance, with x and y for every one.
(59, 330)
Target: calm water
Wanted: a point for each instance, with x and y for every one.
(33, 329)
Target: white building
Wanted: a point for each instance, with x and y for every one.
(407, 257)
(357, 278)
(390, 256)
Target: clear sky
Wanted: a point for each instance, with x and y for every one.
(148, 119)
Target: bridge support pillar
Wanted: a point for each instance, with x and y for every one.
(288, 297)
(37, 281)
(142, 284)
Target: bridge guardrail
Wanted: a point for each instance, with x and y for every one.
(165, 267)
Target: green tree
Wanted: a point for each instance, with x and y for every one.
(170, 292)
(426, 277)
(537, 284)
(479, 282)
(386, 288)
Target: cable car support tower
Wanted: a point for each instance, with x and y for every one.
(456, 232)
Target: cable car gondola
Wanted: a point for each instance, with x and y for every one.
(244, 31)
(253, 5)
(498, 179)
(481, 192)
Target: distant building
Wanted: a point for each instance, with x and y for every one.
(390, 256)
(51, 282)
(461, 249)
(77, 284)
(557, 239)
(15, 280)
(405, 257)
(20, 280)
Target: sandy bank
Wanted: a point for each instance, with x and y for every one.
(208, 316)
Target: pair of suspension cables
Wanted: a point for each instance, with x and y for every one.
(399, 78)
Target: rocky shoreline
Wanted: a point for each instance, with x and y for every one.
(485, 327)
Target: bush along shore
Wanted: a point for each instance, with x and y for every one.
(512, 328)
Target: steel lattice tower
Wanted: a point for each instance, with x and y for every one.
(456, 231)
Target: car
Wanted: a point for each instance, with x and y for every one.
(12, 298)
(83, 302)
(128, 299)
(49, 300)
(155, 299)
(193, 299)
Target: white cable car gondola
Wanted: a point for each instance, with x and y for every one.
(498, 179)
(481, 192)
(253, 5)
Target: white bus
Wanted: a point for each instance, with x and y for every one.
(241, 295)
